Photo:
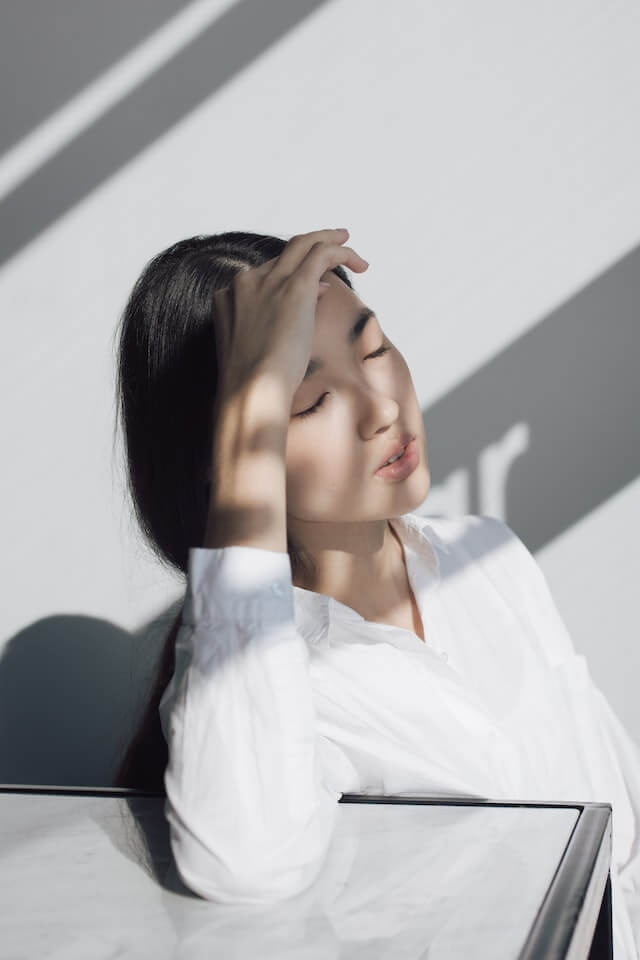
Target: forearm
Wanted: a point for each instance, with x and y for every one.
(248, 468)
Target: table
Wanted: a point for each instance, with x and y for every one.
(88, 873)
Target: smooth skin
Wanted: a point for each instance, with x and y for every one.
(315, 475)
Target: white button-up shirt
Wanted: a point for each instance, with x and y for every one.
(282, 699)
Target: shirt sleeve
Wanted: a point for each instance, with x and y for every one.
(610, 754)
(251, 790)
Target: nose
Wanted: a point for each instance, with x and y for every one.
(377, 412)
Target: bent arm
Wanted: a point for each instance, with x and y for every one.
(250, 804)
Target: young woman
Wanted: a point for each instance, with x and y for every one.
(331, 640)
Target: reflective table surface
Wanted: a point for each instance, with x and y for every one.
(88, 874)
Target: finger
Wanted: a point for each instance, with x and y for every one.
(299, 246)
(323, 257)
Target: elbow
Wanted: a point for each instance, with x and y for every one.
(251, 873)
(253, 880)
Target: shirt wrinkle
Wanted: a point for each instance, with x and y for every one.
(495, 703)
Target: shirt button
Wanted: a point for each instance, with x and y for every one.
(276, 587)
(444, 656)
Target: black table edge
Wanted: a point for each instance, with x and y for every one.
(565, 924)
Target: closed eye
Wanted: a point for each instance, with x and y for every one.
(318, 403)
(378, 352)
(307, 413)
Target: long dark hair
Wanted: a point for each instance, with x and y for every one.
(166, 378)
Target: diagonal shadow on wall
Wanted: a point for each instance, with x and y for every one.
(230, 44)
(51, 49)
(573, 380)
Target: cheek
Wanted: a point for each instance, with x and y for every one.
(319, 470)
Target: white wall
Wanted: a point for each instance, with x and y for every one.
(484, 158)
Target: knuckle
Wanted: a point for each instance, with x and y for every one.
(320, 247)
(296, 282)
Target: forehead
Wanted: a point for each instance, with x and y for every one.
(337, 308)
(341, 319)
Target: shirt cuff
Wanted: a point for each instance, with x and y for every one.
(237, 583)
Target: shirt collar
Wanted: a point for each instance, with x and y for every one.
(315, 611)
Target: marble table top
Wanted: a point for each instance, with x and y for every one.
(92, 877)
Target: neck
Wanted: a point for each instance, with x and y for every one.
(359, 564)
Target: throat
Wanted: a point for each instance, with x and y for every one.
(405, 612)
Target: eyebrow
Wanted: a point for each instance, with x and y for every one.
(356, 331)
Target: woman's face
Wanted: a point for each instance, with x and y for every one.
(367, 404)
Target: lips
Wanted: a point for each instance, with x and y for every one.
(397, 447)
